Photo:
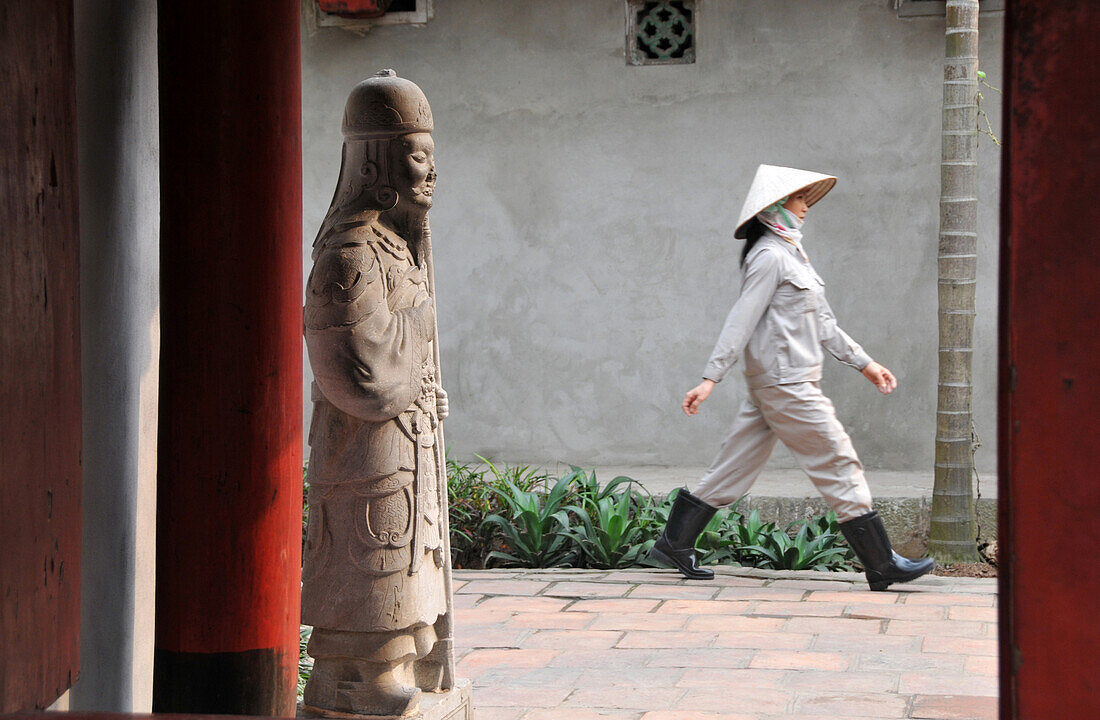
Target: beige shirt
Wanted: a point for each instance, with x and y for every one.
(781, 321)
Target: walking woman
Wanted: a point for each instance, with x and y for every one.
(781, 322)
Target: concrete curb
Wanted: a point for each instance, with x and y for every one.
(662, 576)
(906, 518)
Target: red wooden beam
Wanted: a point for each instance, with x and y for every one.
(40, 409)
(1049, 343)
(230, 465)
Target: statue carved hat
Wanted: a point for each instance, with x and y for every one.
(773, 183)
(385, 106)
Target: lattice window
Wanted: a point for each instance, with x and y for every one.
(660, 32)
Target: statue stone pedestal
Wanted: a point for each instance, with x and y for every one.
(453, 704)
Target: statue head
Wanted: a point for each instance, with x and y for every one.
(385, 106)
(388, 147)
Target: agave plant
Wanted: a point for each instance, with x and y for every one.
(716, 544)
(526, 477)
(720, 540)
(752, 530)
(472, 499)
(611, 533)
(535, 533)
(807, 550)
(520, 516)
(826, 523)
(653, 514)
(588, 491)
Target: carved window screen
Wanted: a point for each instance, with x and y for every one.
(660, 32)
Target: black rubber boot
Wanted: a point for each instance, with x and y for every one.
(867, 536)
(676, 546)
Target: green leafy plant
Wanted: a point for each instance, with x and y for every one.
(653, 513)
(305, 662)
(472, 499)
(752, 530)
(587, 490)
(611, 532)
(733, 538)
(520, 516)
(719, 542)
(816, 545)
(534, 526)
(826, 523)
(470, 502)
(727, 536)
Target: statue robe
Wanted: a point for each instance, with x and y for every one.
(374, 552)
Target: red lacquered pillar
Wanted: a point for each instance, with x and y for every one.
(230, 465)
(1050, 344)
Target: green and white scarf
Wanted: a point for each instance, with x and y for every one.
(784, 224)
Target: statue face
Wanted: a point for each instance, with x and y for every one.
(412, 171)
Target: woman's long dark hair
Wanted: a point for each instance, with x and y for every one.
(753, 231)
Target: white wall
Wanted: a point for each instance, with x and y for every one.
(584, 212)
(116, 61)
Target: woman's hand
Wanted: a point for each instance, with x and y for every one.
(696, 396)
(883, 379)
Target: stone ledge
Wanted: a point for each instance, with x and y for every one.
(453, 704)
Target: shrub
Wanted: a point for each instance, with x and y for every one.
(529, 519)
(473, 497)
(810, 548)
(612, 533)
(535, 526)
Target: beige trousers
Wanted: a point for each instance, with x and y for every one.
(805, 420)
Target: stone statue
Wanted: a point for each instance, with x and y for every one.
(376, 566)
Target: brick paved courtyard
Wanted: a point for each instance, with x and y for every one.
(751, 645)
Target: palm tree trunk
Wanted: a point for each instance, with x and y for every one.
(953, 530)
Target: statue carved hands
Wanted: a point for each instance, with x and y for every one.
(425, 307)
(442, 406)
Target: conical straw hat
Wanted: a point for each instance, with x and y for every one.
(773, 183)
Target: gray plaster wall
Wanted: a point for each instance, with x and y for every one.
(584, 214)
(116, 61)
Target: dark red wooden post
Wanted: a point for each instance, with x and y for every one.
(1049, 448)
(230, 465)
(40, 431)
